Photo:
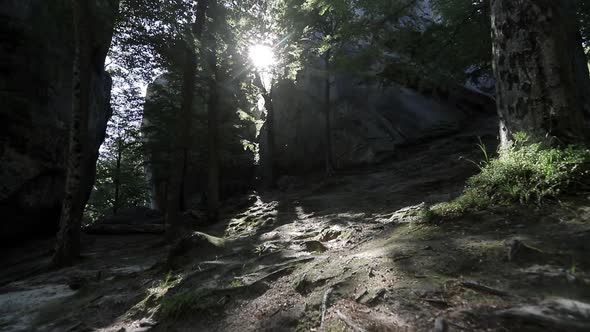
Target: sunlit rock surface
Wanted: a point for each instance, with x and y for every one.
(36, 55)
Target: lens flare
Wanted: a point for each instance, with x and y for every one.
(262, 56)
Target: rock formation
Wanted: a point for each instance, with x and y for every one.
(369, 120)
(36, 54)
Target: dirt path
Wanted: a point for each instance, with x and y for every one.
(345, 254)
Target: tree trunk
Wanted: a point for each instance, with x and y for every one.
(189, 72)
(117, 180)
(268, 175)
(329, 160)
(542, 80)
(67, 248)
(270, 141)
(213, 126)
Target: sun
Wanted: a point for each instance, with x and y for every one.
(262, 56)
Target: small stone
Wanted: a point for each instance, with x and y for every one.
(314, 246)
(370, 296)
(270, 236)
(519, 251)
(146, 323)
(440, 325)
(330, 234)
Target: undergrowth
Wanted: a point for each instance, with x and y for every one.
(181, 304)
(525, 173)
(193, 302)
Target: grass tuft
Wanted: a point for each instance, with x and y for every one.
(179, 305)
(525, 173)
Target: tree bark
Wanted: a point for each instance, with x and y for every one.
(213, 125)
(67, 248)
(117, 180)
(542, 85)
(268, 161)
(328, 113)
(182, 146)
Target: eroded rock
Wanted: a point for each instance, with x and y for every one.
(329, 234)
(314, 246)
(520, 252)
(198, 243)
(19, 308)
(556, 315)
(36, 57)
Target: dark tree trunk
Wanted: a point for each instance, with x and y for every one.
(67, 248)
(268, 174)
(328, 113)
(213, 124)
(270, 141)
(542, 78)
(185, 160)
(117, 177)
(176, 186)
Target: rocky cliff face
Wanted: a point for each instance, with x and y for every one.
(369, 120)
(36, 54)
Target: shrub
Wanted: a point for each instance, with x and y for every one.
(524, 173)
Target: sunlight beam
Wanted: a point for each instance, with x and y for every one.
(262, 56)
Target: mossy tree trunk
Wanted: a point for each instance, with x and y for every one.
(176, 183)
(542, 78)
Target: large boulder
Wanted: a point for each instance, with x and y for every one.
(36, 59)
(369, 120)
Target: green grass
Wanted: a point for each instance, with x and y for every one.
(525, 173)
(236, 283)
(181, 304)
(204, 302)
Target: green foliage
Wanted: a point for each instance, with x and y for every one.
(449, 47)
(584, 15)
(527, 172)
(332, 30)
(120, 181)
(194, 302)
(179, 305)
(168, 280)
(149, 36)
(132, 185)
(236, 283)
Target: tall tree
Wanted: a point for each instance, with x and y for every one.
(329, 161)
(176, 187)
(268, 173)
(213, 116)
(328, 30)
(67, 248)
(542, 85)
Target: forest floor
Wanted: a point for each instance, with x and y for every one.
(348, 253)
